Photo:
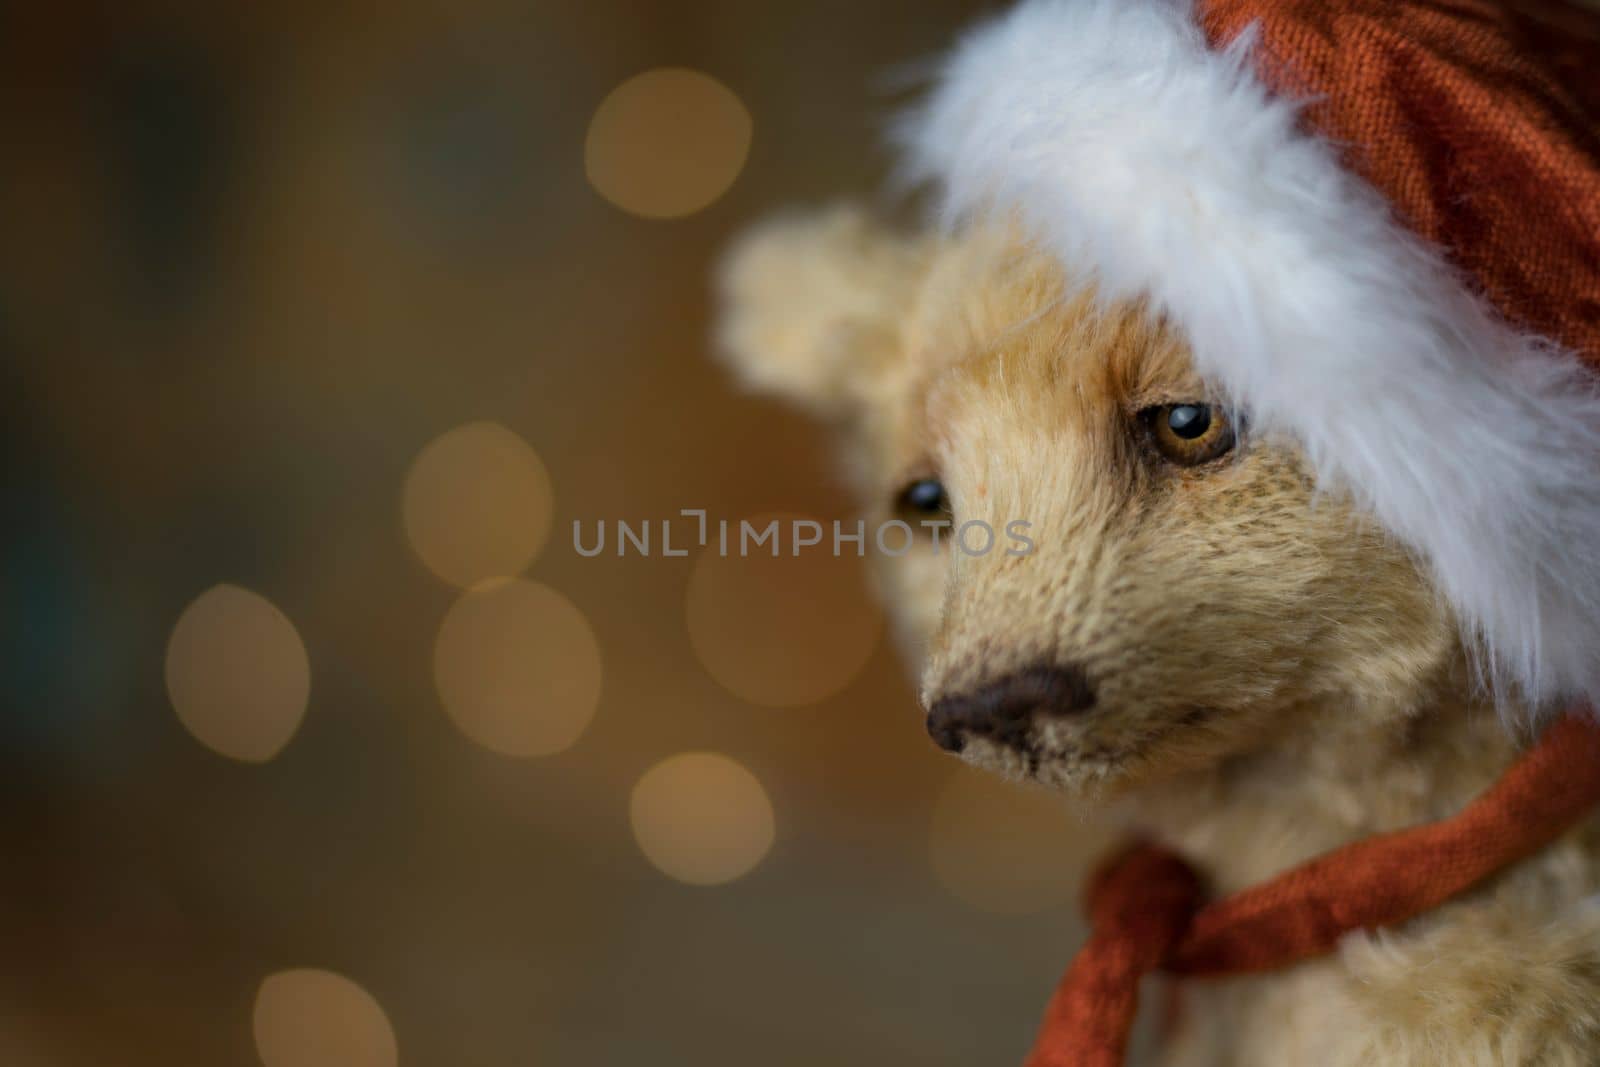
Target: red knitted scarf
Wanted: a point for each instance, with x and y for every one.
(1146, 915)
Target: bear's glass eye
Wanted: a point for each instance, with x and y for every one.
(1189, 434)
(923, 499)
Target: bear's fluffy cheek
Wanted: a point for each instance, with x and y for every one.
(1206, 617)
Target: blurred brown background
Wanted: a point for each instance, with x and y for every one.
(345, 309)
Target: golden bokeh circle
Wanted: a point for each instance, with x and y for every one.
(702, 818)
(667, 143)
(314, 1018)
(786, 631)
(518, 667)
(1006, 848)
(237, 673)
(477, 504)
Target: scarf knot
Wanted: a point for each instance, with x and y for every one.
(1146, 912)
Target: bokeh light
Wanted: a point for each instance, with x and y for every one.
(781, 631)
(702, 818)
(667, 143)
(518, 667)
(477, 504)
(237, 673)
(1007, 848)
(314, 1018)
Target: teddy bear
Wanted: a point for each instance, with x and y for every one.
(1311, 474)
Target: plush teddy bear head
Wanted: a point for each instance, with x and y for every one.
(1162, 587)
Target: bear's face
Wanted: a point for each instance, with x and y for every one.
(1187, 594)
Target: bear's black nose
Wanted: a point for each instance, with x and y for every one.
(1003, 709)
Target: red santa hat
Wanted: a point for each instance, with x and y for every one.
(1378, 224)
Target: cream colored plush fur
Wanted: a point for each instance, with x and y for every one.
(1274, 676)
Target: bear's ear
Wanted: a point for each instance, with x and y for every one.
(814, 307)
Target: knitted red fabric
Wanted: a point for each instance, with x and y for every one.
(1478, 120)
(1143, 904)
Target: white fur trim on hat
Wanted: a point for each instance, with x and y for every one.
(1164, 168)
